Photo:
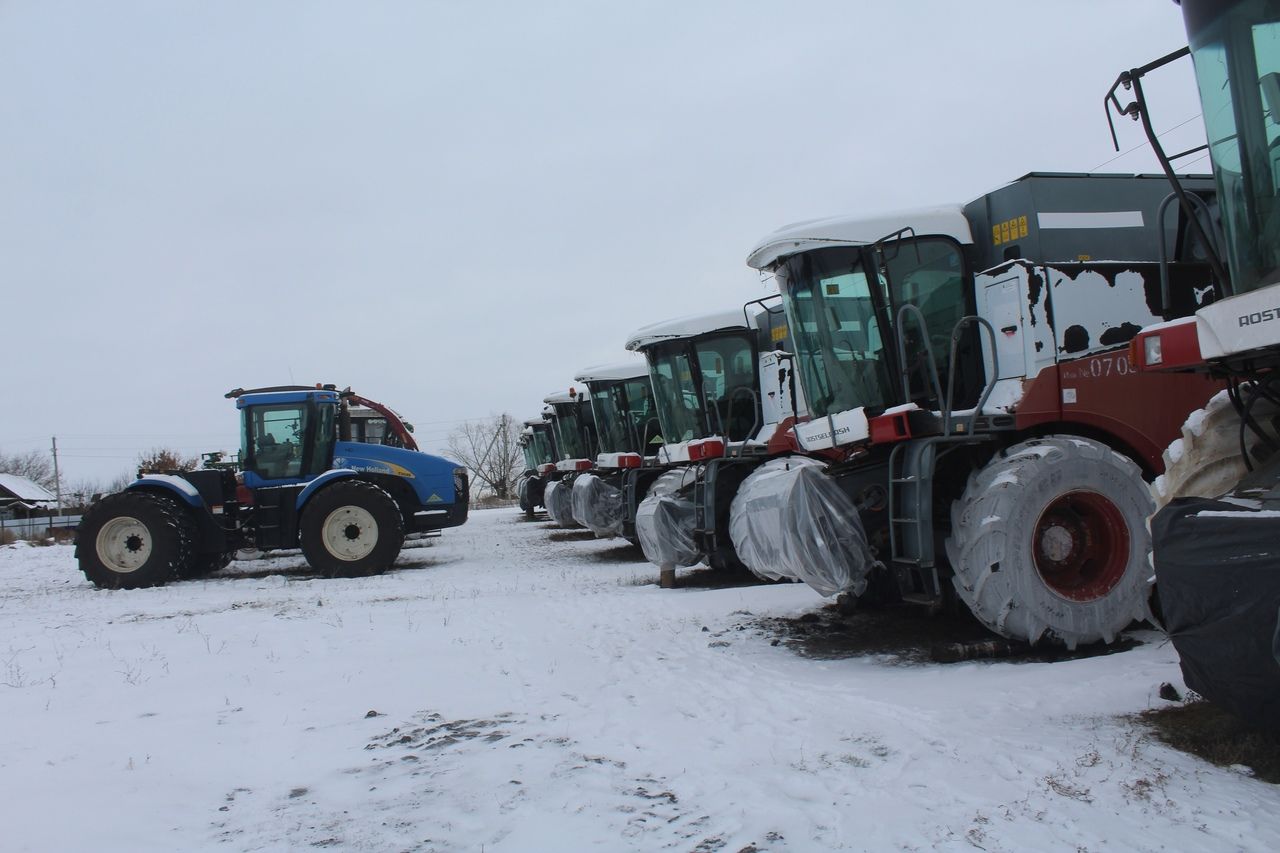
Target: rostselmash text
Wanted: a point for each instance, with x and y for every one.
(1259, 317)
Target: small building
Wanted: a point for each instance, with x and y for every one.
(22, 498)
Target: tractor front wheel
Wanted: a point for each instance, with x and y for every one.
(133, 539)
(351, 528)
(1049, 541)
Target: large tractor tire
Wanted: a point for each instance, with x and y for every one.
(1049, 542)
(1206, 461)
(351, 528)
(135, 539)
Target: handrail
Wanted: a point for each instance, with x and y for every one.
(1201, 207)
(755, 415)
(902, 351)
(951, 376)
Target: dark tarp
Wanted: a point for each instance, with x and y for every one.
(1218, 580)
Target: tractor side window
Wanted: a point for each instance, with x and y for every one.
(325, 436)
(729, 375)
(277, 434)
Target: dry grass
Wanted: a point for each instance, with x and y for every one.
(1206, 731)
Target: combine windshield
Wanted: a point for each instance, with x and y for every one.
(622, 410)
(834, 323)
(540, 446)
(571, 438)
(1237, 62)
(730, 384)
(676, 393)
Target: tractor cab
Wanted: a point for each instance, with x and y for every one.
(287, 436)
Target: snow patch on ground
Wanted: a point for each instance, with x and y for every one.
(532, 689)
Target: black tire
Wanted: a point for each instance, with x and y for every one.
(351, 528)
(134, 539)
(1049, 541)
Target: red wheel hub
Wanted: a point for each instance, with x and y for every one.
(1081, 546)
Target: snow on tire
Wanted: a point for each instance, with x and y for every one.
(134, 539)
(350, 528)
(1205, 462)
(1049, 541)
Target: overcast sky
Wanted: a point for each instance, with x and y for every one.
(453, 206)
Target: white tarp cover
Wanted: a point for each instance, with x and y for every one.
(522, 491)
(790, 520)
(664, 520)
(558, 499)
(597, 506)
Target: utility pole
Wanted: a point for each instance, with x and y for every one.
(57, 480)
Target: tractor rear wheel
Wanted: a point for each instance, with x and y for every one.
(351, 528)
(134, 539)
(1049, 541)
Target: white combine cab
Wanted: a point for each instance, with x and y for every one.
(575, 440)
(725, 399)
(627, 427)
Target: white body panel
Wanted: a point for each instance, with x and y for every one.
(1239, 323)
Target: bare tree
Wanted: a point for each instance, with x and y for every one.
(158, 460)
(35, 465)
(491, 451)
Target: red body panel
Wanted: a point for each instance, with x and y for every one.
(1106, 392)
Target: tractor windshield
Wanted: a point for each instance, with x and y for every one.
(730, 384)
(676, 393)
(1237, 61)
(834, 320)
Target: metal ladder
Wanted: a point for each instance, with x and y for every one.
(913, 462)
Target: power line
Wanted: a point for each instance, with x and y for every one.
(1145, 144)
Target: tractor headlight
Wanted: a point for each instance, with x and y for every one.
(460, 481)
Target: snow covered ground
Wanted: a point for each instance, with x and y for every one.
(510, 688)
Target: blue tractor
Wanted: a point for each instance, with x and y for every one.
(304, 483)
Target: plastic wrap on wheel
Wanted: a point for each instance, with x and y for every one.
(1218, 582)
(665, 518)
(756, 517)
(597, 505)
(790, 520)
(558, 499)
(522, 491)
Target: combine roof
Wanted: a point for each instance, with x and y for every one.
(636, 369)
(687, 327)
(851, 231)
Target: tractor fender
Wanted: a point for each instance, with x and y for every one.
(324, 479)
(176, 486)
